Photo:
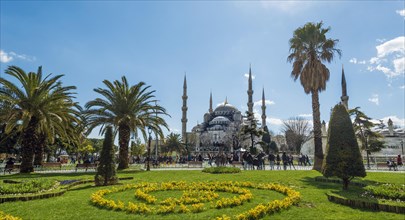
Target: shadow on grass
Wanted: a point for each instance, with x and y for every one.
(310, 181)
(82, 187)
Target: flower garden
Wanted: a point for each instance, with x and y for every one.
(197, 195)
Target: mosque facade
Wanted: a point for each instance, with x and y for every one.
(220, 130)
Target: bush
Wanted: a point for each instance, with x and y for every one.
(221, 170)
(106, 174)
(343, 158)
(387, 191)
(31, 186)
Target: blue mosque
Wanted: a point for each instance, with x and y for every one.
(220, 130)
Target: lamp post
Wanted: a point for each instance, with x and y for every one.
(402, 146)
(367, 152)
(157, 141)
(148, 156)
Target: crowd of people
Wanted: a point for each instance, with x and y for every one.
(275, 161)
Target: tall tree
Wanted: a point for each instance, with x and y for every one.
(106, 174)
(343, 158)
(266, 140)
(137, 148)
(296, 130)
(174, 143)
(251, 131)
(309, 47)
(41, 108)
(371, 141)
(127, 108)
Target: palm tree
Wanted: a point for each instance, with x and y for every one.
(309, 47)
(40, 110)
(128, 109)
(174, 143)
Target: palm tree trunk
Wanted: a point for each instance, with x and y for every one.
(29, 140)
(39, 150)
(316, 114)
(123, 139)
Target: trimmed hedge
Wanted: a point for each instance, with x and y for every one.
(363, 204)
(332, 180)
(218, 170)
(46, 195)
(387, 191)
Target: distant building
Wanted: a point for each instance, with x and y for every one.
(218, 133)
(394, 140)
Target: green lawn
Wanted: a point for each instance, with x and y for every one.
(75, 204)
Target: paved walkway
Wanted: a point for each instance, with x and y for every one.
(185, 167)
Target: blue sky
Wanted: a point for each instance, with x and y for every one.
(213, 43)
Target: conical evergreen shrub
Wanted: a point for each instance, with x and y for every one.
(106, 174)
(343, 158)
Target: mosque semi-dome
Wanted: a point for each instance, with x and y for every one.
(219, 120)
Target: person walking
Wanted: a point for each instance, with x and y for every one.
(278, 161)
(284, 157)
(307, 161)
(271, 160)
(291, 162)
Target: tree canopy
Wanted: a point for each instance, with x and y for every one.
(343, 158)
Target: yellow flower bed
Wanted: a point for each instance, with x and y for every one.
(4, 216)
(194, 196)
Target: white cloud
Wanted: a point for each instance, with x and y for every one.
(274, 121)
(305, 115)
(7, 57)
(247, 76)
(401, 12)
(402, 87)
(395, 120)
(390, 58)
(391, 46)
(374, 99)
(399, 65)
(4, 57)
(22, 56)
(355, 61)
(381, 40)
(267, 102)
(174, 130)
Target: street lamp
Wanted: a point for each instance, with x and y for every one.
(367, 151)
(156, 144)
(148, 156)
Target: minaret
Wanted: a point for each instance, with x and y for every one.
(390, 127)
(250, 93)
(210, 110)
(184, 110)
(263, 110)
(344, 97)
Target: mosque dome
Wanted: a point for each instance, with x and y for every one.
(219, 120)
(224, 109)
